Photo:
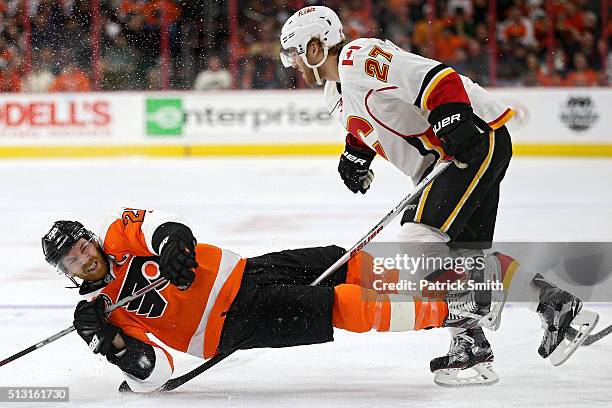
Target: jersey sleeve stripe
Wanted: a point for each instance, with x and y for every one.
(428, 78)
(502, 119)
(432, 85)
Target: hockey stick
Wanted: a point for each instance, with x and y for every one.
(178, 381)
(571, 332)
(70, 329)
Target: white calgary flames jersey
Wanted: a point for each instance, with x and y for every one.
(385, 96)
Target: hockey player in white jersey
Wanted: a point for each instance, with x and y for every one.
(414, 111)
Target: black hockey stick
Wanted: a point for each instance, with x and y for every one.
(437, 170)
(70, 329)
(571, 333)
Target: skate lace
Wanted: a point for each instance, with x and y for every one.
(461, 305)
(460, 343)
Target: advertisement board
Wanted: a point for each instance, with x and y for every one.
(73, 119)
(249, 117)
(558, 121)
(561, 115)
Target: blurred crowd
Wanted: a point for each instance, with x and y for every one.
(61, 51)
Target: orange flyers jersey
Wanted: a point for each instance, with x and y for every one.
(189, 321)
(386, 95)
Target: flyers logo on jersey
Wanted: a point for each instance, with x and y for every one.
(142, 272)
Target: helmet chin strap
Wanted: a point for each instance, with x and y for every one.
(314, 68)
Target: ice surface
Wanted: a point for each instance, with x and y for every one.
(253, 206)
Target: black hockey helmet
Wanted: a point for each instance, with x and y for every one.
(59, 239)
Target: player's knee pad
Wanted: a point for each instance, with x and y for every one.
(417, 232)
(426, 245)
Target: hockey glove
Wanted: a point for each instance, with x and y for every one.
(91, 325)
(459, 136)
(354, 169)
(177, 258)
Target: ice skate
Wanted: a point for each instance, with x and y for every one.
(469, 361)
(498, 268)
(560, 310)
(482, 306)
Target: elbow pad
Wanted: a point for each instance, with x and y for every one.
(171, 229)
(136, 359)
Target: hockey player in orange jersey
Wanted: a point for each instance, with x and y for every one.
(215, 300)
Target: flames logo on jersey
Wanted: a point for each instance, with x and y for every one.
(142, 272)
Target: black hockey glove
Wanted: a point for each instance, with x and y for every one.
(91, 325)
(177, 257)
(354, 169)
(459, 136)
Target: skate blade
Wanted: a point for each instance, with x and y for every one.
(492, 320)
(480, 374)
(586, 320)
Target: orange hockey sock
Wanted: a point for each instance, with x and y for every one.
(362, 271)
(360, 310)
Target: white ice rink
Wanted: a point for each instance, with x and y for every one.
(253, 206)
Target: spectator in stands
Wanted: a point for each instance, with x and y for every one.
(265, 67)
(118, 64)
(72, 79)
(43, 33)
(155, 10)
(213, 77)
(560, 62)
(517, 27)
(511, 63)
(9, 30)
(77, 41)
(458, 27)
(581, 75)
(535, 75)
(153, 78)
(449, 44)
(246, 73)
(463, 23)
(476, 66)
(39, 79)
(357, 21)
(47, 60)
(7, 53)
(587, 46)
(399, 27)
(10, 80)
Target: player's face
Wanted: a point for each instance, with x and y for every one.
(307, 74)
(85, 260)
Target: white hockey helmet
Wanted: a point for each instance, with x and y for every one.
(310, 22)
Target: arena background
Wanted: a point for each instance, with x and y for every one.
(200, 78)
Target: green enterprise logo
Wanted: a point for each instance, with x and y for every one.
(165, 117)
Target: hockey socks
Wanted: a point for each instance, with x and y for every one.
(360, 310)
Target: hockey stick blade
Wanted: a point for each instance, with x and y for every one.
(571, 333)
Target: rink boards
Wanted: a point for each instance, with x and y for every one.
(548, 122)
